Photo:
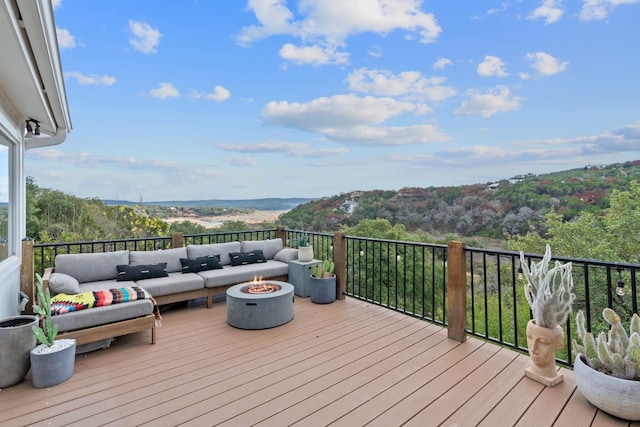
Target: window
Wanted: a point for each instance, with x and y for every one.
(4, 201)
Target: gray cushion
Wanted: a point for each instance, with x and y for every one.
(63, 284)
(91, 267)
(105, 284)
(286, 255)
(222, 249)
(243, 273)
(268, 247)
(175, 283)
(170, 256)
(97, 316)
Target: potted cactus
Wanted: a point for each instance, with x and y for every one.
(323, 283)
(607, 368)
(548, 292)
(52, 361)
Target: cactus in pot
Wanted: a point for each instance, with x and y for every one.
(616, 353)
(324, 270)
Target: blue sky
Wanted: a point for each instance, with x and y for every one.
(216, 99)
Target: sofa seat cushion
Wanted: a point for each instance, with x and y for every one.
(91, 267)
(97, 316)
(222, 249)
(243, 273)
(170, 256)
(172, 284)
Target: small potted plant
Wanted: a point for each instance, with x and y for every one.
(548, 292)
(305, 249)
(52, 361)
(323, 283)
(607, 368)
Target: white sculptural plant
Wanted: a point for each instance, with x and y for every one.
(548, 291)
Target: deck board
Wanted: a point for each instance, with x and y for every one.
(348, 363)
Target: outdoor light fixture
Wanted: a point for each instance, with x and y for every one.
(620, 287)
(31, 129)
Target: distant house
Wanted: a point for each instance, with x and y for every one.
(348, 206)
(33, 113)
(493, 186)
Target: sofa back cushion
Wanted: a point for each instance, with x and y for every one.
(91, 267)
(222, 249)
(269, 247)
(170, 256)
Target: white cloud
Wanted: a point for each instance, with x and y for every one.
(545, 64)
(334, 112)
(496, 100)
(352, 119)
(243, 161)
(492, 66)
(144, 38)
(441, 63)
(293, 149)
(219, 94)
(56, 4)
(550, 10)
(325, 25)
(90, 80)
(411, 84)
(600, 9)
(164, 90)
(65, 39)
(315, 55)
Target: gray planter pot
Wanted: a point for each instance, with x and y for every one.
(16, 341)
(613, 395)
(49, 369)
(322, 290)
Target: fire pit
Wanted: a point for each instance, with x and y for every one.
(259, 304)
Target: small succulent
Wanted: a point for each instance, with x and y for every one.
(302, 240)
(616, 353)
(323, 270)
(548, 291)
(45, 334)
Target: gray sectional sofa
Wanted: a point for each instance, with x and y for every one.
(171, 275)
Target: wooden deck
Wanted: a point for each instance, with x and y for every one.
(346, 364)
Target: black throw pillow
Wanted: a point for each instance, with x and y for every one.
(244, 258)
(204, 263)
(141, 272)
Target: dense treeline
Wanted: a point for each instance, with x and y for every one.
(495, 210)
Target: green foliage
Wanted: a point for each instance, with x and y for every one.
(53, 216)
(302, 240)
(45, 334)
(616, 353)
(324, 270)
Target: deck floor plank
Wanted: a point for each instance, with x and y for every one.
(347, 364)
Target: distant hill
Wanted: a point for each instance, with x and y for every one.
(511, 206)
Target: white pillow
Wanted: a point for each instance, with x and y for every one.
(63, 284)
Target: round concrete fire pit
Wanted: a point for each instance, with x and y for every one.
(259, 305)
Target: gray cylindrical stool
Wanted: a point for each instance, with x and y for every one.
(322, 290)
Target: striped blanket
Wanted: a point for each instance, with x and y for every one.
(63, 303)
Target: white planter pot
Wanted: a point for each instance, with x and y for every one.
(613, 395)
(305, 253)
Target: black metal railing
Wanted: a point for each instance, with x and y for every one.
(411, 277)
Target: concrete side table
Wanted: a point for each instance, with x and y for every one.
(299, 274)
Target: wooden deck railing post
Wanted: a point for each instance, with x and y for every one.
(177, 240)
(340, 262)
(282, 234)
(457, 291)
(27, 273)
